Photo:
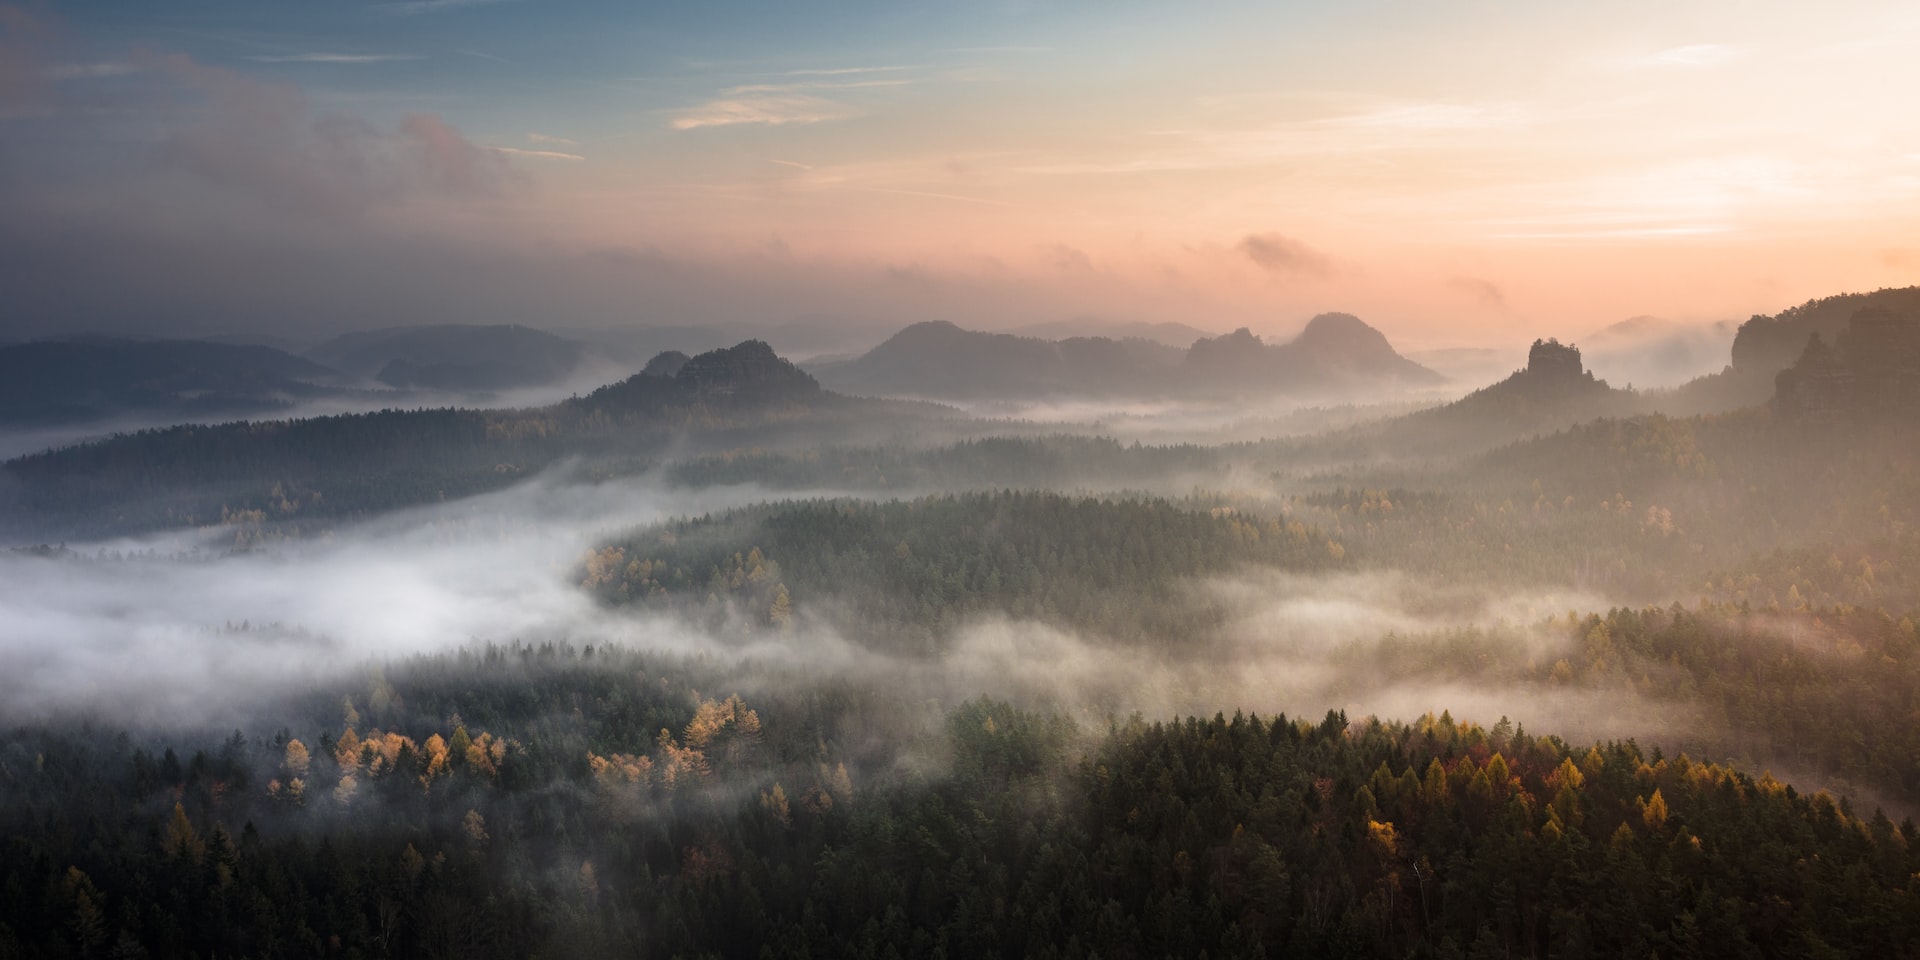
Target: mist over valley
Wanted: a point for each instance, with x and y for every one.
(491, 479)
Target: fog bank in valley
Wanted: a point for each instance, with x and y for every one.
(179, 630)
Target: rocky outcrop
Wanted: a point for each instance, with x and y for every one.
(1552, 360)
(1871, 373)
(749, 373)
(1554, 373)
(750, 369)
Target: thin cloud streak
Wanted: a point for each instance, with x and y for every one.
(550, 154)
(813, 85)
(335, 57)
(771, 110)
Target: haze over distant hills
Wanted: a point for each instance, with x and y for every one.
(459, 357)
(1165, 332)
(318, 467)
(940, 360)
(1336, 354)
(52, 382)
(1553, 391)
(1648, 351)
(55, 392)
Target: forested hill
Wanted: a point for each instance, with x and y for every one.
(515, 802)
(358, 464)
(1767, 345)
(903, 575)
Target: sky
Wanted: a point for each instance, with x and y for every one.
(1460, 173)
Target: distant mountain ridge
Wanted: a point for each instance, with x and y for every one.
(454, 357)
(1336, 352)
(355, 464)
(86, 379)
(939, 359)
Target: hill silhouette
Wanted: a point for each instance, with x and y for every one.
(744, 375)
(1336, 353)
(1765, 345)
(80, 380)
(1553, 391)
(292, 471)
(940, 359)
(1870, 372)
(456, 357)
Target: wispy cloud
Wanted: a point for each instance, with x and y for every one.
(549, 154)
(1284, 256)
(1371, 128)
(793, 100)
(323, 57)
(773, 109)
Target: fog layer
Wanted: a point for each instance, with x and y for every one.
(179, 631)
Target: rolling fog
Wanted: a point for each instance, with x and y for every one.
(181, 631)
